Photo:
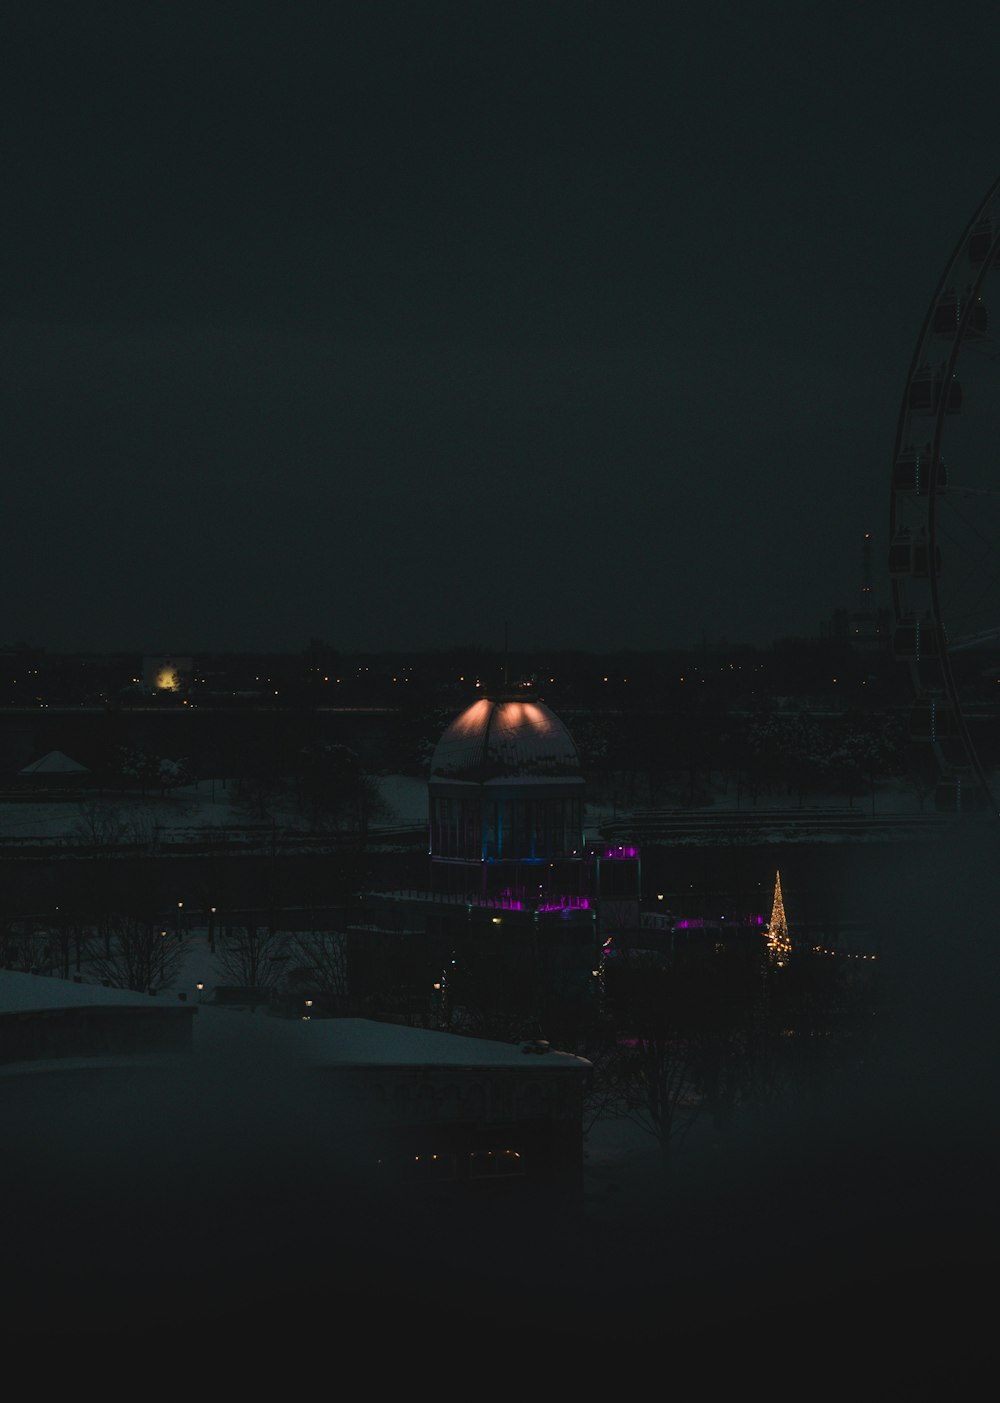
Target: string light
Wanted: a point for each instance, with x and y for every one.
(779, 943)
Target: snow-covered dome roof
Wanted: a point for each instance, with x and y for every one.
(506, 738)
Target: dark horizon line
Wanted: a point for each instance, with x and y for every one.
(435, 650)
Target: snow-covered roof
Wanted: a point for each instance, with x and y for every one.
(54, 763)
(35, 993)
(506, 738)
(364, 1042)
(316, 1043)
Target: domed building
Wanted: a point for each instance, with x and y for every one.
(506, 795)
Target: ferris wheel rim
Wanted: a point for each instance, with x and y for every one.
(905, 436)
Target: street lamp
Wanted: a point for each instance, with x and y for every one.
(211, 929)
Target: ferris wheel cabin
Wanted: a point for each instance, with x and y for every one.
(929, 387)
(912, 472)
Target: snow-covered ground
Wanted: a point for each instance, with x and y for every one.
(217, 804)
(206, 804)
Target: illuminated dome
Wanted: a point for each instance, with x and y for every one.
(505, 739)
(506, 792)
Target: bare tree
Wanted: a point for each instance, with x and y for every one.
(25, 946)
(645, 1061)
(322, 963)
(139, 955)
(702, 1032)
(495, 990)
(688, 1036)
(100, 827)
(103, 827)
(335, 791)
(70, 941)
(253, 956)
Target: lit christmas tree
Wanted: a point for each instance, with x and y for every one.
(779, 945)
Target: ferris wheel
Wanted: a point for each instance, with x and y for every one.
(944, 551)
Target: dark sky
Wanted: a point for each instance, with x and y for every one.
(393, 322)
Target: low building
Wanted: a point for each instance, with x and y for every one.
(368, 1102)
(45, 1020)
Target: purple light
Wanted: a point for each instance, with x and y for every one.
(621, 852)
(706, 922)
(506, 902)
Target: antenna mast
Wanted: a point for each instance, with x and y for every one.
(866, 572)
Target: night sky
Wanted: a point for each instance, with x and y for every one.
(392, 323)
